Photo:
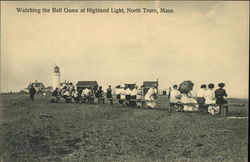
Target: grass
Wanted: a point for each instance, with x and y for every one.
(43, 131)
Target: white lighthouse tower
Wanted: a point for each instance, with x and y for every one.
(56, 77)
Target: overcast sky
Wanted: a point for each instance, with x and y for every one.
(206, 42)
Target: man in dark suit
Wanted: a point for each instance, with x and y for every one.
(99, 95)
(109, 95)
(32, 92)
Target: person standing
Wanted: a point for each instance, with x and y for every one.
(150, 98)
(109, 95)
(201, 93)
(169, 92)
(155, 92)
(220, 93)
(32, 92)
(99, 95)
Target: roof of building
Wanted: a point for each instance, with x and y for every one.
(129, 84)
(86, 83)
(150, 83)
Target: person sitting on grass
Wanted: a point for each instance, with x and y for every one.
(169, 92)
(99, 94)
(219, 95)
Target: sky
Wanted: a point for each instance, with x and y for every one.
(205, 42)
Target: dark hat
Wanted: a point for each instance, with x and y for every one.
(221, 85)
(203, 86)
(211, 85)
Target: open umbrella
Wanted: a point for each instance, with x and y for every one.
(186, 86)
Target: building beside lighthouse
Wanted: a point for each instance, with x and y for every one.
(56, 77)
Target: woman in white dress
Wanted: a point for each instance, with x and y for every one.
(210, 99)
(150, 98)
(123, 95)
(186, 98)
(139, 97)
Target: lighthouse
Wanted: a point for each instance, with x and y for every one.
(56, 77)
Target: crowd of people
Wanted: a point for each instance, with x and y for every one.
(181, 98)
(130, 96)
(206, 99)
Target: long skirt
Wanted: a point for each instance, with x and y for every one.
(151, 104)
(150, 101)
(32, 97)
(221, 101)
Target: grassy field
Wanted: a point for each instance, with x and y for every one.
(43, 131)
